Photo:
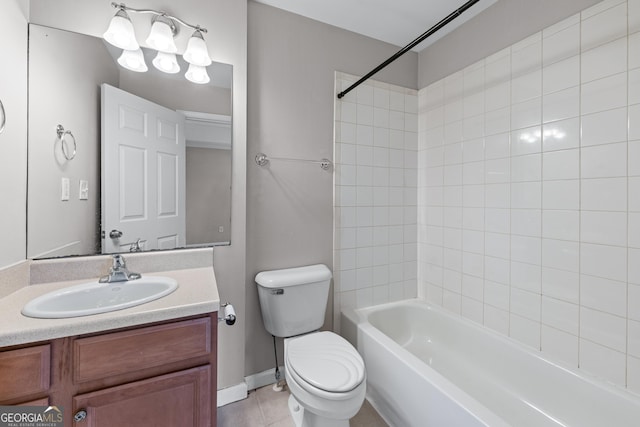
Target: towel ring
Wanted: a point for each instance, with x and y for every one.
(61, 136)
(4, 117)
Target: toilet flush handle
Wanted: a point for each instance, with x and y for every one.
(277, 291)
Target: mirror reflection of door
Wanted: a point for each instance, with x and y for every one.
(143, 164)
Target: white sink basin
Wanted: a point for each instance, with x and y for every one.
(94, 298)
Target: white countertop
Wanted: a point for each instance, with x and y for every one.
(197, 293)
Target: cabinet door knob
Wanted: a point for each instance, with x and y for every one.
(115, 234)
(80, 415)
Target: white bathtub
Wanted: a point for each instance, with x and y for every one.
(429, 368)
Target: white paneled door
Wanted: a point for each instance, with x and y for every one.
(143, 174)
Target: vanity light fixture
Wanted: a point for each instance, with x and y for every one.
(133, 60)
(197, 74)
(120, 32)
(161, 36)
(166, 62)
(164, 28)
(197, 52)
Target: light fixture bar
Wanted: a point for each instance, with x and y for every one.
(124, 7)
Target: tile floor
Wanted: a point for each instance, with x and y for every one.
(267, 408)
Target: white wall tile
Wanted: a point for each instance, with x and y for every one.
(526, 304)
(634, 121)
(561, 254)
(526, 249)
(604, 94)
(561, 135)
(497, 270)
(561, 194)
(604, 127)
(496, 319)
(603, 161)
(604, 194)
(605, 228)
(605, 295)
(497, 245)
(563, 164)
(496, 294)
(526, 168)
(633, 10)
(526, 195)
(562, 44)
(526, 86)
(497, 146)
(604, 61)
(525, 331)
(604, 329)
(561, 284)
(604, 26)
(497, 171)
(528, 215)
(526, 114)
(526, 222)
(526, 141)
(526, 276)
(560, 345)
(561, 75)
(561, 315)
(497, 96)
(634, 54)
(609, 262)
(561, 105)
(561, 224)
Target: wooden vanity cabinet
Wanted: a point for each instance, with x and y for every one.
(25, 375)
(158, 375)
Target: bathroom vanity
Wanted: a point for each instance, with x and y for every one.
(149, 365)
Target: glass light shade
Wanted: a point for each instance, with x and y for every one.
(161, 37)
(197, 52)
(133, 60)
(166, 62)
(197, 74)
(120, 32)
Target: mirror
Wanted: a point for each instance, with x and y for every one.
(66, 73)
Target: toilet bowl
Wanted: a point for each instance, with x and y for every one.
(325, 373)
(326, 377)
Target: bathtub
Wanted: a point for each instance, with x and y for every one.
(427, 367)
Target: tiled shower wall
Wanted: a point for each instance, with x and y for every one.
(529, 191)
(375, 225)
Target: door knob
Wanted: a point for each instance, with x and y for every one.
(115, 234)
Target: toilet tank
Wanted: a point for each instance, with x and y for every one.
(293, 300)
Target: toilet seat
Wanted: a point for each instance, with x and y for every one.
(324, 363)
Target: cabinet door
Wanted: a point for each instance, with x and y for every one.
(24, 373)
(178, 399)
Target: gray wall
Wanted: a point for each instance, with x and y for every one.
(292, 64)
(499, 26)
(208, 194)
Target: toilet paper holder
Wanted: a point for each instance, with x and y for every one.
(229, 314)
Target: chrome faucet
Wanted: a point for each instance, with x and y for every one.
(119, 271)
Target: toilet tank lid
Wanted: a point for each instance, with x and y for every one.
(293, 276)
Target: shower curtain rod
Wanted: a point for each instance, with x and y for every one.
(453, 15)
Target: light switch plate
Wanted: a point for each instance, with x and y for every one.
(83, 194)
(64, 189)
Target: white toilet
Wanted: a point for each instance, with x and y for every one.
(324, 372)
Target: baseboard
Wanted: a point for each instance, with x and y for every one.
(240, 391)
(232, 394)
(263, 378)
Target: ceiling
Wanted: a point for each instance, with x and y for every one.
(398, 22)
